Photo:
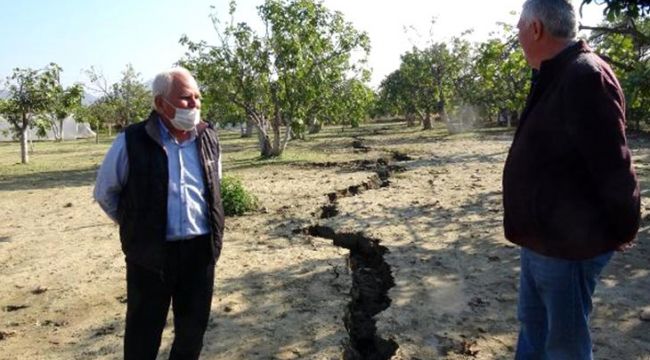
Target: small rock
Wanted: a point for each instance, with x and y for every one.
(68, 205)
(645, 314)
(469, 348)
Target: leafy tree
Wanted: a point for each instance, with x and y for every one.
(615, 8)
(31, 93)
(625, 43)
(423, 73)
(284, 78)
(124, 102)
(448, 79)
(66, 102)
(430, 80)
(394, 97)
(96, 114)
(430, 77)
(234, 76)
(501, 76)
(352, 104)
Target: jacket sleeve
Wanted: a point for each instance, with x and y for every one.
(596, 126)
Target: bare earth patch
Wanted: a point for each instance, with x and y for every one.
(430, 276)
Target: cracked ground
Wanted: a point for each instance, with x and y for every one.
(282, 293)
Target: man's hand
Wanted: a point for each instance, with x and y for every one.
(626, 246)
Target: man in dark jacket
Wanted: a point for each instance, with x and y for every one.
(160, 183)
(570, 192)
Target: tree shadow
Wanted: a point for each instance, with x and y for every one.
(49, 179)
(440, 276)
(458, 280)
(276, 314)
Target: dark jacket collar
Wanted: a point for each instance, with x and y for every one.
(555, 64)
(549, 70)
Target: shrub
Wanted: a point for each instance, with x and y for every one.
(236, 200)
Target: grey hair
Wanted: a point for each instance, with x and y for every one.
(162, 83)
(558, 16)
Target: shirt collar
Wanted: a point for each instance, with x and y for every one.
(167, 136)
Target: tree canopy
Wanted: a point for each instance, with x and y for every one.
(615, 8)
(121, 103)
(31, 93)
(287, 78)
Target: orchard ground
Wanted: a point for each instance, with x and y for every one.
(433, 200)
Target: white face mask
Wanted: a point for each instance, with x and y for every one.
(185, 119)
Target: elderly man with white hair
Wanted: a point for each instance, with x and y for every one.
(160, 183)
(570, 193)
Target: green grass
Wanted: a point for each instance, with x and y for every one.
(49, 156)
(57, 160)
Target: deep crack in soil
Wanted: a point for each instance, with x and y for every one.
(371, 280)
(358, 144)
(371, 275)
(383, 170)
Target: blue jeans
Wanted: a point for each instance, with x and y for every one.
(554, 306)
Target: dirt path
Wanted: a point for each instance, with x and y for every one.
(282, 291)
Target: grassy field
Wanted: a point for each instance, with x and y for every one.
(49, 157)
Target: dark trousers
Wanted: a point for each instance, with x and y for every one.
(186, 282)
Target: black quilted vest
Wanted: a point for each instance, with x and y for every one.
(142, 210)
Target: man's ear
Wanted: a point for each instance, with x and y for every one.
(538, 29)
(158, 102)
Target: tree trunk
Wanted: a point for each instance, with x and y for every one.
(441, 109)
(250, 125)
(314, 125)
(287, 136)
(276, 122)
(514, 118)
(277, 151)
(426, 124)
(410, 120)
(24, 153)
(266, 150)
(60, 130)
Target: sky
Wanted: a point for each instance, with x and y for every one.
(109, 34)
